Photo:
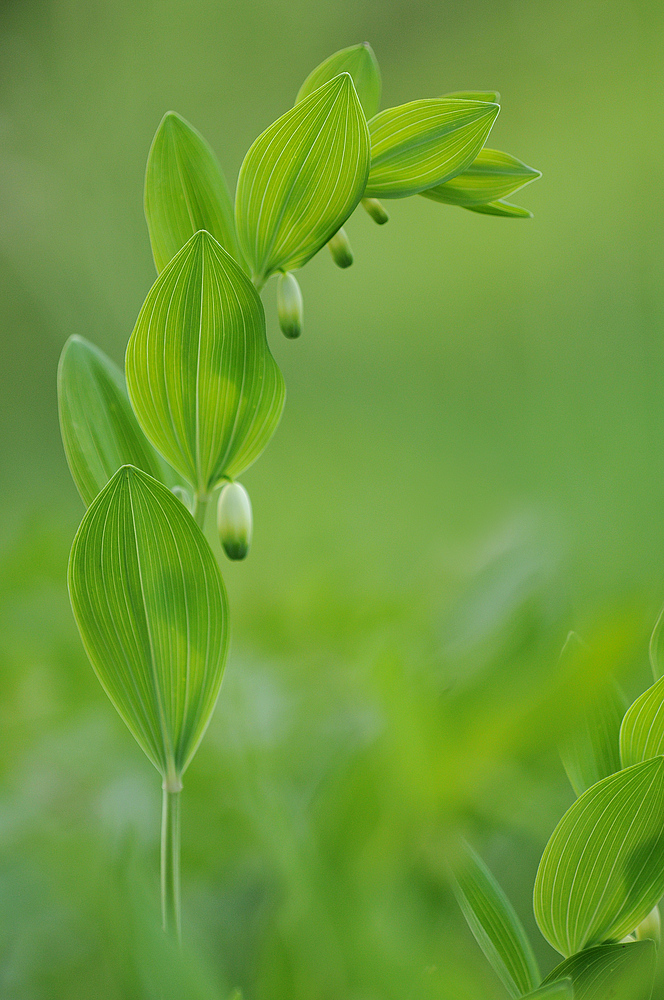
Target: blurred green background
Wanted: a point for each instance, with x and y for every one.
(471, 464)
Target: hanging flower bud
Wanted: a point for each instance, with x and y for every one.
(650, 928)
(374, 208)
(234, 520)
(289, 305)
(342, 255)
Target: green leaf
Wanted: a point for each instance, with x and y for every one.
(422, 144)
(561, 990)
(185, 191)
(642, 730)
(625, 971)
(151, 608)
(491, 175)
(603, 868)
(494, 924)
(655, 648)
(490, 96)
(302, 178)
(99, 430)
(360, 62)
(204, 386)
(501, 208)
(592, 750)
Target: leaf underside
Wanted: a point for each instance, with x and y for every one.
(425, 143)
(152, 611)
(302, 178)
(201, 379)
(501, 208)
(491, 176)
(561, 990)
(603, 868)
(185, 191)
(99, 430)
(642, 730)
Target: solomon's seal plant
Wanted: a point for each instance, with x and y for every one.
(201, 394)
(601, 876)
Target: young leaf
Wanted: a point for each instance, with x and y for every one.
(655, 650)
(99, 430)
(302, 178)
(360, 62)
(151, 608)
(422, 144)
(204, 386)
(560, 990)
(185, 191)
(494, 924)
(491, 175)
(642, 730)
(603, 868)
(501, 208)
(622, 970)
(491, 96)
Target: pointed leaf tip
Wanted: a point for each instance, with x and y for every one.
(360, 62)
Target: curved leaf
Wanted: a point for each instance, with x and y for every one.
(99, 430)
(491, 96)
(494, 924)
(361, 63)
(204, 386)
(592, 751)
(623, 970)
(603, 868)
(422, 144)
(491, 175)
(151, 608)
(501, 208)
(302, 178)
(642, 730)
(185, 191)
(655, 647)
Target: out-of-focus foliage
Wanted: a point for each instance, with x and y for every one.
(470, 466)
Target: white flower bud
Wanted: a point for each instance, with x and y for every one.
(234, 520)
(342, 255)
(650, 928)
(289, 305)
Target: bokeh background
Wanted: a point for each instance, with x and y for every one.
(471, 463)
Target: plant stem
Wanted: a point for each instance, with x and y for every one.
(200, 507)
(170, 862)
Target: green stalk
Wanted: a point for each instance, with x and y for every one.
(170, 862)
(200, 507)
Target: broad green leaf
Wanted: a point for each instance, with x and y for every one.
(592, 750)
(360, 62)
(501, 208)
(642, 730)
(655, 649)
(561, 990)
(151, 608)
(185, 191)
(491, 96)
(422, 144)
(625, 971)
(603, 868)
(204, 386)
(492, 175)
(99, 430)
(302, 178)
(495, 925)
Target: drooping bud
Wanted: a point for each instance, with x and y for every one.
(234, 520)
(182, 494)
(374, 208)
(289, 305)
(342, 255)
(650, 928)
